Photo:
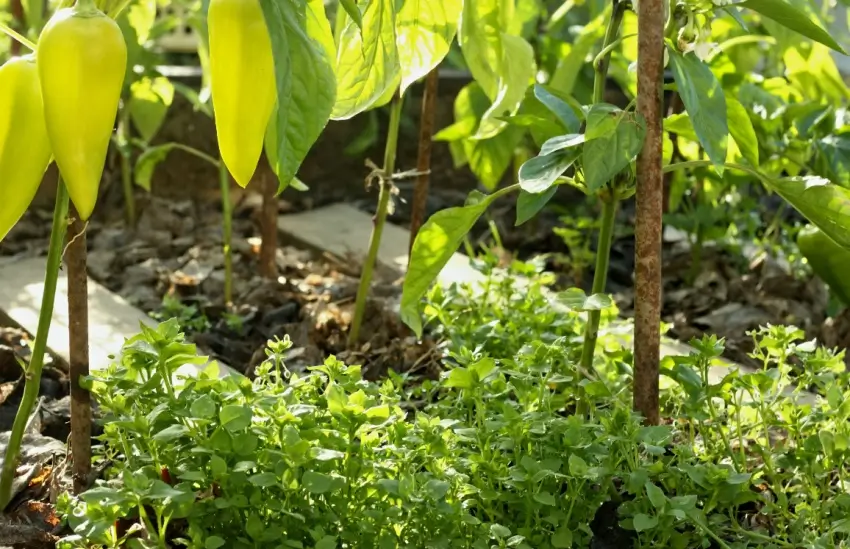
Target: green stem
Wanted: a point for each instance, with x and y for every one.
(33, 371)
(600, 64)
(379, 221)
(15, 35)
(227, 221)
(600, 276)
(126, 169)
(609, 48)
(193, 151)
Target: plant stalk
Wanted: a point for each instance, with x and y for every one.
(227, 232)
(378, 221)
(268, 227)
(600, 277)
(650, 207)
(126, 168)
(78, 337)
(609, 203)
(33, 371)
(418, 207)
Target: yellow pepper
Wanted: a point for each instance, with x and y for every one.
(242, 81)
(82, 59)
(24, 145)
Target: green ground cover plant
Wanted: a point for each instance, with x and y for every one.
(489, 455)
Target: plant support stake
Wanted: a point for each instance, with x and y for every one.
(419, 206)
(647, 352)
(33, 371)
(386, 188)
(268, 226)
(78, 337)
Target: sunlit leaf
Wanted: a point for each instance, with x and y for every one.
(425, 30)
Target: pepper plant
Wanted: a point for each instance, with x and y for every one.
(593, 145)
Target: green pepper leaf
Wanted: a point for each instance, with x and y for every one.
(367, 60)
(529, 204)
(823, 203)
(425, 30)
(517, 73)
(302, 45)
(788, 15)
(705, 102)
(604, 157)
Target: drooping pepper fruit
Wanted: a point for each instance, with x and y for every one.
(82, 59)
(242, 82)
(24, 145)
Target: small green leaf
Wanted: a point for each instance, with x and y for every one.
(317, 483)
(213, 542)
(739, 478)
(147, 163)
(218, 466)
(545, 498)
(459, 378)
(578, 467)
(538, 175)
(171, 433)
(576, 299)
(656, 495)
(705, 102)
(324, 454)
(203, 407)
(437, 489)
(528, 204)
(234, 417)
(604, 157)
(644, 522)
(498, 531)
(327, 542)
(788, 15)
(562, 538)
(263, 479)
(480, 38)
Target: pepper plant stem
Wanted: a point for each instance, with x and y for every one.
(78, 336)
(33, 371)
(227, 232)
(378, 221)
(609, 203)
(600, 277)
(18, 37)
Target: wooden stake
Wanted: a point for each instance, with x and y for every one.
(268, 227)
(648, 224)
(78, 337)
(419, 205)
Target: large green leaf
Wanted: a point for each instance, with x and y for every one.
(795, 19)
(742, 131)
(517, 73)
(833, 158)
(437, 240)
(425, 30)
(538, 174)
(830, 261)
(565, 74)
(705, 102)
(367, 61)
(150, 99)
(480, 38)
(558, 107)
(605, 156)
(528, 204)
(823, 203)
(303, 54)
